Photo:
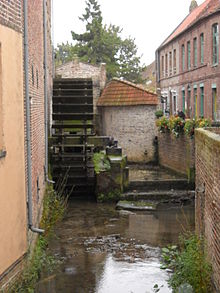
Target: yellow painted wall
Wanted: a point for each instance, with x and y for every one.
(13, 222)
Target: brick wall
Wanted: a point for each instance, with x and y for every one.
(177, 153)
(208, 194)
(36, 85)
(204, 74)
(13, 213)
(76, 69)
(11, 14)
(134, 128)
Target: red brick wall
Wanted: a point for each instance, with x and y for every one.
(205, 73)
(208, 194)
(11, 14)
(36, 84)
(176, 153)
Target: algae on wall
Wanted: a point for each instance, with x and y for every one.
(111, 176)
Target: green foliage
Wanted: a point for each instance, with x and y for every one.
(111, 196)
(189, 264)
(39, 260)
(159, 113)
(101, 162)
(191, 124)
(64, 53)
(163, 124)
(177, 125)
(102, 44)
(189, 127)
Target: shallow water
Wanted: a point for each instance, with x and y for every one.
(143, 173)
(107, 251)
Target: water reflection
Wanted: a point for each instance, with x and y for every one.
(163, 226)
(122, 277)
(106, 252)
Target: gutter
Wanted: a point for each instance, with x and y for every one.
(28, 132)
(45, 92)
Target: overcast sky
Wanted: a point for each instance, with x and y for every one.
(148, 21)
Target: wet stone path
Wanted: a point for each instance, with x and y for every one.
(108, 251)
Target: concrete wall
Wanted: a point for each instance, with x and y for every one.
(208, 194)
(177, 153)
(13, 220)
(134, 128)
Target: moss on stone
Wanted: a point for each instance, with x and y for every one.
(111, 196)
(101, 162)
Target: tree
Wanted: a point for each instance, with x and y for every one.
(64, 53)
(103, 44)
(129, 61)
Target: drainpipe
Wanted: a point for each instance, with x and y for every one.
(45, 91)
(28, 134)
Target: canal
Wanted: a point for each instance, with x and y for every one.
(108, 251)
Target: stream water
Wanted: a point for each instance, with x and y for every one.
(108, 251)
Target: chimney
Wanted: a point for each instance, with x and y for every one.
(75, 59)
(193, 5)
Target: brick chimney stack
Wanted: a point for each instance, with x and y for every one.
(75, 59)
(193, 5)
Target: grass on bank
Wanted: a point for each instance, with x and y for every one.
(189, 264)
(54, 206)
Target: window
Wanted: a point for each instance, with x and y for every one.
(174, 61)
(202, 100)
(37, 78)
(183, 57)
(170, 63)
(202, 48)
(162, 66)
(188, 102)
(195, 102)
(215, 44)
(32, 74)
(188, 55)
(183, 101)
(166, 64)
(195, 52)
(214, 102)
(174, 105)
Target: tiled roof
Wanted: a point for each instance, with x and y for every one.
(123, 93)
(205, 9)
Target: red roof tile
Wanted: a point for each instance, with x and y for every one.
(123, 93)
(206, 8)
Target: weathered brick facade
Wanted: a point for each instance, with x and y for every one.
(76, 69)
(208, 194)
(187, 76)
(36, 87)
(11, 14)
(134, 128)
(177, 153)
(128, 114)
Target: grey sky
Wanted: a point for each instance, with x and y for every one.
(148, 21)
